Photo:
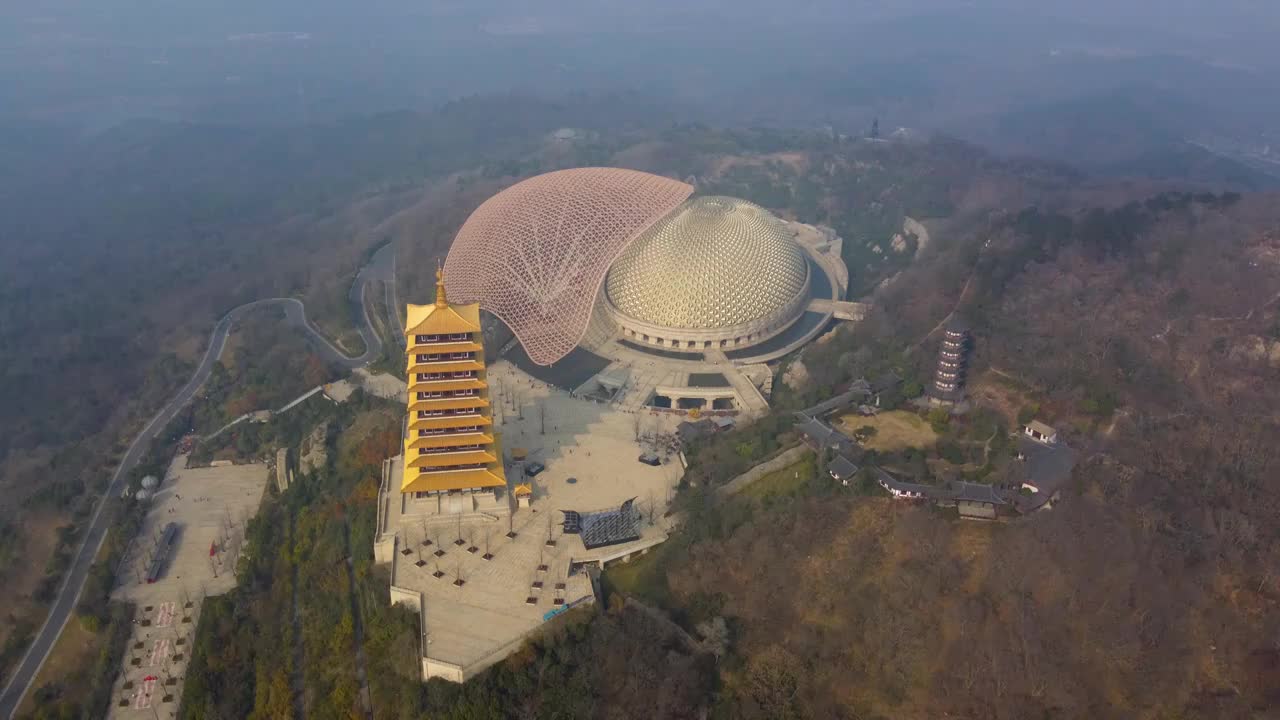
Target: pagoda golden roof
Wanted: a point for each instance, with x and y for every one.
(443, 441)
(441, 317)
(451, 480)
(454, 403)
(436, 320)
(451, 459)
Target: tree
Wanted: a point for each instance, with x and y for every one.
(939, 419)
(1028, 413)
(315, 372)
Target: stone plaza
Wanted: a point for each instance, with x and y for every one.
(484, 581)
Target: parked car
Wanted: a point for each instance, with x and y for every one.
(533, 469)
(651, 459)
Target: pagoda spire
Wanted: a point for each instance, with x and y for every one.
(441, 299)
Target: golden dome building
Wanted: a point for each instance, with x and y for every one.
(622, 288)
(717, 272)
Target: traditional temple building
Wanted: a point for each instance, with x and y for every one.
(452, 456)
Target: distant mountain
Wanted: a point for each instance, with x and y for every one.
(1132, 132)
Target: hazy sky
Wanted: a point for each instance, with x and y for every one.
(97, 62)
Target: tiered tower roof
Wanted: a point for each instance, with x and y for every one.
(449, 443)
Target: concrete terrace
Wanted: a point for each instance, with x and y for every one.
(590, 453)
(210, 507)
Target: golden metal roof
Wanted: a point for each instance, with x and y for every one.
(451, 480)
(448, 422)
(438, 320)
(454, 440)
(463, 403)
(454, 459)
(714, 262)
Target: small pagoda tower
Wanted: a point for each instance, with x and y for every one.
(953, 360)
(452, 457)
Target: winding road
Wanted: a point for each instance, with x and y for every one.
(380, 268)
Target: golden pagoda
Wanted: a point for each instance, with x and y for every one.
(449, 443)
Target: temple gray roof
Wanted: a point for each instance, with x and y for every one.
(842, 468)
(893, 483)
(950, 491)
(973, 492)
(819, 434)
(1045, 467)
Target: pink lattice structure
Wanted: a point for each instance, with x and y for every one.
(536, 253)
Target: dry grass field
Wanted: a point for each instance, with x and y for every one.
(895, 430)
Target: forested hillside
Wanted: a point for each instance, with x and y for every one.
(119, 252)
(1149, 592)
(1144, 322)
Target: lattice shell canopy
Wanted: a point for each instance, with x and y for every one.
(537, 253)
(716, 262)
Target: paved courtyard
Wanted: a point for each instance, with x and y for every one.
(210, 507)
(590, 453)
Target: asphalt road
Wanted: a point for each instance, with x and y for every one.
(381, 268)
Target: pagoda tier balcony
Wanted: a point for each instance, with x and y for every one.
(449, 440)
(472, 403)
(445, 348)
(443, 337)
(435, 356)
(447, 385)
(440, 394)
(415, 368)
(446, 422)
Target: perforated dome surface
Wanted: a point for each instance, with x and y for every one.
(714, 262)
(536, 253)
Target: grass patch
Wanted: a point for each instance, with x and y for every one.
(894, 431)
(790, 481)
(645, 576)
